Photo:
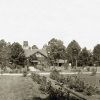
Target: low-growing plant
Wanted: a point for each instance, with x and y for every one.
(88, 69)
(47, 88)
(74, 82)
(94, 71)
(89, 90)
(54, 74)
(25, 73)
(56, 94)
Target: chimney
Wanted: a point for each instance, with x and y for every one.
(25, 44)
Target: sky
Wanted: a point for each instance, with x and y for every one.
(38, 21)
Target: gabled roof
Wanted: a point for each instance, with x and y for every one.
(29, 52)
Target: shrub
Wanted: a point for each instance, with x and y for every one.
(53, 93)
(88, 69)
(56, 94)
(39, 67)
(89, 90)
(59, 94)
(25, 72)
(54, 74)
(93, 70)
(66, 65)
(74, 82)
(42, 81)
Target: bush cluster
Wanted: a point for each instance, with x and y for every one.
(56, 94)
(39, 67)
(59, 94)
(42, 81)
(94, 71)
(46, 87)
(54, 74)
(73, 82)
(25, 72)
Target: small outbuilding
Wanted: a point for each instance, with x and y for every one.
(60, 62)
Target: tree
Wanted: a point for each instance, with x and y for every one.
(34, 47)
(85, 58)
(17, 54)
(73, 51)
(96, 54)
(4, 53)
(31, 59)
(44, 47)
(56, 50)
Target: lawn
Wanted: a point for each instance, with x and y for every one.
(18, 88)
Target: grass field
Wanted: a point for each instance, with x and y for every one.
(18, 88)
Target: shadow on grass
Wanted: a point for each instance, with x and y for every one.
(38, 98)
(54, 98)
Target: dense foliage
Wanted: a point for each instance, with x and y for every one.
(74, 82)
(31, 59)
(96, 54)
(17, 54)
(52, 92)
(34, 47)
(73, 51)
(56, 50)
(4, 53)
(85, 58)
(12, 55)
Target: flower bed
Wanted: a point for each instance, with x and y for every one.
(75, 83)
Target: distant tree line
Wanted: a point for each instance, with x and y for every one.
(73, 53)
(13, 54)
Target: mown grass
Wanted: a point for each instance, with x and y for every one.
(18, 88)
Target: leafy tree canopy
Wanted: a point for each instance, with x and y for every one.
(73, 50)
(85, 58)
(31, 59)
(4, 53)
(56, 49)
(34, 47)
(17, 54)
(96, 54)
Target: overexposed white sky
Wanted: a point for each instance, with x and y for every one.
(40, 20)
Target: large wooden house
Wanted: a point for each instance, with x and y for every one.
(41, 56)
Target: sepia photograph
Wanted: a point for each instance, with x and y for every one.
(49, 49)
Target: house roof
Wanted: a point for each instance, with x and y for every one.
(29, 52)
